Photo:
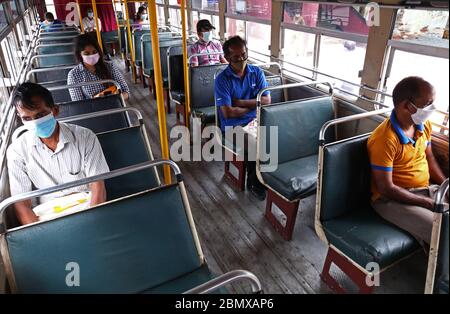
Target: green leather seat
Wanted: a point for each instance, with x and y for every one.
(98, 124)
(133, 245)
(123, 148)
(298, 124)
(206, 114)
(294, 179)
(349, 222)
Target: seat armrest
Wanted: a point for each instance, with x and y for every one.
(225, 279)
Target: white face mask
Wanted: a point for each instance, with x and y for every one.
(422, 114)
(90, 15)
(91, 59)
(207, 36)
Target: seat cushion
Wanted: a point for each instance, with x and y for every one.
(294, 179)
(183, 283)
(207, 114)
(177, 95)
(365, 237)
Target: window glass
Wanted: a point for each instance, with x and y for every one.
(161, 16)
(429, 27)
(14, 9)
(210, 5)
(298, 48)
(175, 2)
(342, 59)
(235, 27)
(3, 20)
(434, 70)
(258, 41)
(257, 8)
(174, 17)
(350, 19)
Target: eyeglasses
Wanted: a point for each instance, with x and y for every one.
(429, 106)
(242, 57)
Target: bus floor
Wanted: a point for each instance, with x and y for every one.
(235, 235)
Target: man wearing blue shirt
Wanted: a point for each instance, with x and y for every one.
(236, 89)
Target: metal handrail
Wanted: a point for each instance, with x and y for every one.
(55, 38)
(50, 55)
(62, 87)
(287, 86)
(348, 119)
(440, 196)
(84, 116)
(49, 69)
(52, 45)
(225, 279)
(204, 54)
(112, 174)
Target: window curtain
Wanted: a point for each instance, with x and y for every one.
(105, 12)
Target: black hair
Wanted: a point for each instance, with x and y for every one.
(235, 41)
(81, 43)
(204, 24)
(49, 16)
(140, 11)
(26, 91)
(409, 89)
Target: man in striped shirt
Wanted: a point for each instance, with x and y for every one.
(206, 44)
(51, 153)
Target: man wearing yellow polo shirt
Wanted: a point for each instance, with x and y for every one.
(402, 161)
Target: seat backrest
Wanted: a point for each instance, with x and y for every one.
(298, 125)
(57, 40)
(202, 84)
(51, 75)
(176, 67)
(59, 96)
(345, 178)
(110, 37)
(277, 95)
(50, 49)
(123, 148)
(127, 246)
(137, 34)
(98, 124)
(53, 61)
(442, 267)
(163, 47)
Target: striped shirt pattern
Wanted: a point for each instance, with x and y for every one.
(202, 47)
(80, 74)
(32, 165)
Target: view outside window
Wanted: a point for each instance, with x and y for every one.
(161, 16)
(3, 21)
(343, 59)
(235, 27)
(214, 19)
(210, 5)
(174, 17)
(258, 38)
(298, 48)
(436, 72)
(13, 5)
(174, 2)
(256, 8)
(425, 27)
(350, 19)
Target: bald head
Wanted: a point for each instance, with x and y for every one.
(414, 89)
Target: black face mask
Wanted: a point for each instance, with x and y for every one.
(239, 65)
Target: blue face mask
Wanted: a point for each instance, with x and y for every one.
(42, 127)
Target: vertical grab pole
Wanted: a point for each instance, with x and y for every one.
(79, 16)
(117, 24)
(187, 91)
(130, 42)
(159, 88)
(97, 30)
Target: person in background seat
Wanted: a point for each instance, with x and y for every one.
(236, 89)
(206, 44)
(50, 153)
(92, 67)
(89, 22)
(49, 22)
(405, 174)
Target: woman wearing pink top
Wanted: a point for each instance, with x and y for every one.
(206, 44)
